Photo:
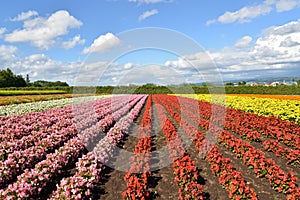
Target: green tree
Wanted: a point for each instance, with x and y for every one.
(9, 79)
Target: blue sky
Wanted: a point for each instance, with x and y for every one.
(54, 40)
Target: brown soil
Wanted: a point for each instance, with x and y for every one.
(162, 185)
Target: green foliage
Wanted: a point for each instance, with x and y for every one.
(9, 79)
(42, 83)
(280, 89)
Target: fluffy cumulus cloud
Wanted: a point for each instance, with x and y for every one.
(103, 43)
(25, 15)
(73, 42)
(247, 13)
(41, 67)
(276, 52)
(147, 14)
(42, 32)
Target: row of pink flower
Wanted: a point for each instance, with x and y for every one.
(63, 120)
(32, 182)
(18, 161)
(95, 132)
(17, 126)
(90, 167)
(229, 177)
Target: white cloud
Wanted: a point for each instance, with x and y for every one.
(147, 14)
(276, 52)
(7, 55)
(128, 65)
(247, 13)
(73, 42)
(243, 42)
(286, 5)
(289, 42)
(150, 1)
(211, 21)
(41, 67)
(103, 43)
(2, 31)
(42, 32)
(25, 15)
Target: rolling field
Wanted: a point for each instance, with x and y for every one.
(151, 147)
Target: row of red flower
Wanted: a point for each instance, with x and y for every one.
(247, 123)
(293, 156)
(263, 167)
(280, 181)
(184, 168)
(230, 178)
(235, 123)
(137, 178)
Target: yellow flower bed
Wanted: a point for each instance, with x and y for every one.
(284, 109)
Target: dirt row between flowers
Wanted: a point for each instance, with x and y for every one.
(112, 183)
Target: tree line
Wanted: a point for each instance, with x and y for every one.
(9, 79)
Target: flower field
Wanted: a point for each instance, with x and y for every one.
(179, 148)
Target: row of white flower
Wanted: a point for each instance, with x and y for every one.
(19, 109)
